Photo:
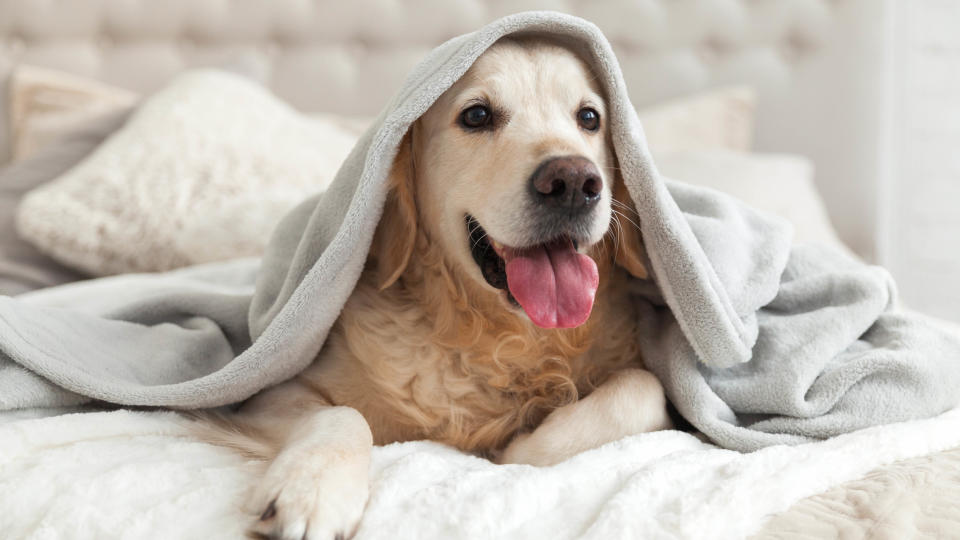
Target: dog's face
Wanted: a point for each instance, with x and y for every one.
(513, 174)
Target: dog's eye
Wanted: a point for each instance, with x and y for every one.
(589, 119)
(477, 116)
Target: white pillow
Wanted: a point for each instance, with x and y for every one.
(201, 172)
(718, 119)
(781, 184)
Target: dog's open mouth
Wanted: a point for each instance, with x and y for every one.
(553, 283)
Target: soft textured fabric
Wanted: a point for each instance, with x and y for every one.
(913, 498)
(721, 119)
(756, 344)
(189, 179)
(207, 166)
(46, 105)
(141, 475)
(22, 266)
(780, 184)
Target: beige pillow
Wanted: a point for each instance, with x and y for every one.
(717, 119)
(187, 181)
(781, 184)
(22, 266)
(47, 104)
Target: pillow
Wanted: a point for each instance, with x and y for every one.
(202, 171)
(781, 184)
(717, 119)
(187, 181)
(46, 104)
(22, 266)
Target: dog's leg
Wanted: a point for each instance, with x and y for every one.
(631, 401)
(317, 485)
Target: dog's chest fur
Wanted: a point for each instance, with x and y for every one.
(437, 363)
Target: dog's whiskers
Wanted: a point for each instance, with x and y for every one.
(624, 216)
(478, 240)
(624, 206)
(615, 219)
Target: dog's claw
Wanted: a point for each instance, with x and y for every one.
(339, 536)
(270, 511)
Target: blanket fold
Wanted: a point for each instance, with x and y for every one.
(757, 342)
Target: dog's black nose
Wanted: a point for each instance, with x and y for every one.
(568, 182)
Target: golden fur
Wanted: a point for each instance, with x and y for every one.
(432, 356)
(424, 347)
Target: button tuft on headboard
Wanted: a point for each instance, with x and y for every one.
(104, 41)
(713, 48)
(795, 45)
(16, 44)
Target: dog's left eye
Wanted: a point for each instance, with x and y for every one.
(477, 116)
(589, 119)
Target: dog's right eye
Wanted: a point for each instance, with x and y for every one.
(475, 117)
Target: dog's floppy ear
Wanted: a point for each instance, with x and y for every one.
(630, 251)
(397, 232)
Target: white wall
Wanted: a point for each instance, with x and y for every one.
(919, 218)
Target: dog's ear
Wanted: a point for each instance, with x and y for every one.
(397, 232)
(630, 251)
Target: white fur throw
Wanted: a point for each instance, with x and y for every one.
(126, 474)
(186, 180)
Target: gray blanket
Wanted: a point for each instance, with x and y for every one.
(756, 342)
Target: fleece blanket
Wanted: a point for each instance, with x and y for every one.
(757, 343)
(126, 474)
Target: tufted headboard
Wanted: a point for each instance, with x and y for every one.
(817, 64)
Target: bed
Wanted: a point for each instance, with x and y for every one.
(137, 474)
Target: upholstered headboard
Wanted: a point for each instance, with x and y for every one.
(817, 64)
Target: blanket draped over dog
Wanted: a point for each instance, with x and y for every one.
(757, 342)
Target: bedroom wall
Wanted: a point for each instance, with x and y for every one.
(919, 219)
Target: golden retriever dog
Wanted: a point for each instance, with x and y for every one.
(491, 314)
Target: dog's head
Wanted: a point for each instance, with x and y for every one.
(512, 173)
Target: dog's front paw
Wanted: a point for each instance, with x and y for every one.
(631, 401)
(312, 495)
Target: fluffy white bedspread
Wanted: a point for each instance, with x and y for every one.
(139, 475)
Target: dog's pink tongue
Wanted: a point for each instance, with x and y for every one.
(553, 283)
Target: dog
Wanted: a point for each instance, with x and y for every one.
(491, 313)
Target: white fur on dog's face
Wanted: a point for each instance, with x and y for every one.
(535, 91)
